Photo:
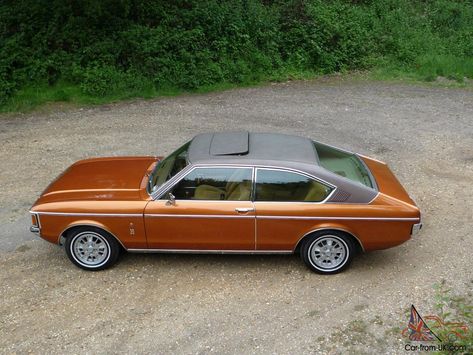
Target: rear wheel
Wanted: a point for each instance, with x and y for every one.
(327, 252)
(92, 248)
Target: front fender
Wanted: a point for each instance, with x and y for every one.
(129, 231)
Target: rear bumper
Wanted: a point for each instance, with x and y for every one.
(416, 228)
(34, 229)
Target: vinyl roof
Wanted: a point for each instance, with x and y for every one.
(239, 146)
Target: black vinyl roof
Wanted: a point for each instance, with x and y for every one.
(226, 147)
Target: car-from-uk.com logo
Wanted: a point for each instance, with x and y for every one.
(427, 330)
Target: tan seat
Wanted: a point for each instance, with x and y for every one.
(241, 192)
(207, 192)
(234, 189)
(317, 192)
(235, 180)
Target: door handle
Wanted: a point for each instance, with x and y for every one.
(244, 209)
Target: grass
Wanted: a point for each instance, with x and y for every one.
(456, 72)
(33, 97)
(430, 68)
(454, 308)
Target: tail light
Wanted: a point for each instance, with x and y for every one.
(35, 225)
(34, 220)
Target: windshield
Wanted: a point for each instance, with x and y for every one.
(168, 167)
(343, 163)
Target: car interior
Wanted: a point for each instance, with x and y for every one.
(311, 191)
(237, 187)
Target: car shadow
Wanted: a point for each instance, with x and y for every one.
(236, 259)
(377, 260)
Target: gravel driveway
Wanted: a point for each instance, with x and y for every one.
(239, 304)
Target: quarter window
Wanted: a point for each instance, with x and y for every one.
(278, 185)
(232, 184)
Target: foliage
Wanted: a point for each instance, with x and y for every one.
(454, 309)
(126, 48)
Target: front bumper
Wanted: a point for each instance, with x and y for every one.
(34, 229)
(416, 228)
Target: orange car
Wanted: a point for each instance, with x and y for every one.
(231, 192)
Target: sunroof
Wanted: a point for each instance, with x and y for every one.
(229, 143)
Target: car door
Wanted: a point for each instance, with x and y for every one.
(209, 209)
(286, 203)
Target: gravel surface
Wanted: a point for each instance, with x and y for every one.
(239, 304)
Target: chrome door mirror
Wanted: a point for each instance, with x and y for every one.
(171, 200)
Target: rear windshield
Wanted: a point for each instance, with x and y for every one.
(343, 163)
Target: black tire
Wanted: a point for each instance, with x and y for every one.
(92, 248)
(335, 252)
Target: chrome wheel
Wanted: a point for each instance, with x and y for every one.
(90, 249)
(328, 253)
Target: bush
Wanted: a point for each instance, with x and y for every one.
(113, 48)
(103, 80)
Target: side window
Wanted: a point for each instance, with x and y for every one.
(233, 184)
(277, 185)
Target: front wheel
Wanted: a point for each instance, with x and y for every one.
(327, 252)
(91, 248)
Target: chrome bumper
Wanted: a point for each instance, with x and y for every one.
(416, 228)
(34, 229)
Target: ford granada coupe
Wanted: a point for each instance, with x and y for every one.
(230, 192)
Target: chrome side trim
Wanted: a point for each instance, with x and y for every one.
(200, 201)
(340, 218)
(329, 229)
(89, 190)
(164, 215)
(209, 251)
(374, 198)
(253, 193)
(90, 214)
(253, 186)
(227, 216)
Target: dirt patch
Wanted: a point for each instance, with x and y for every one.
(238, 304)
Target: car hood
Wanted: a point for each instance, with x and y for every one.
(115, 178)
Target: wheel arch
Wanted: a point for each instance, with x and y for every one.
(87, 223)
(351, 235)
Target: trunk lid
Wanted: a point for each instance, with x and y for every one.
(387, 183)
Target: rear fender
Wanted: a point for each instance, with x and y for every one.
(331, 226)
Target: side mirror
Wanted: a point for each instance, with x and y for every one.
(171, 200)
